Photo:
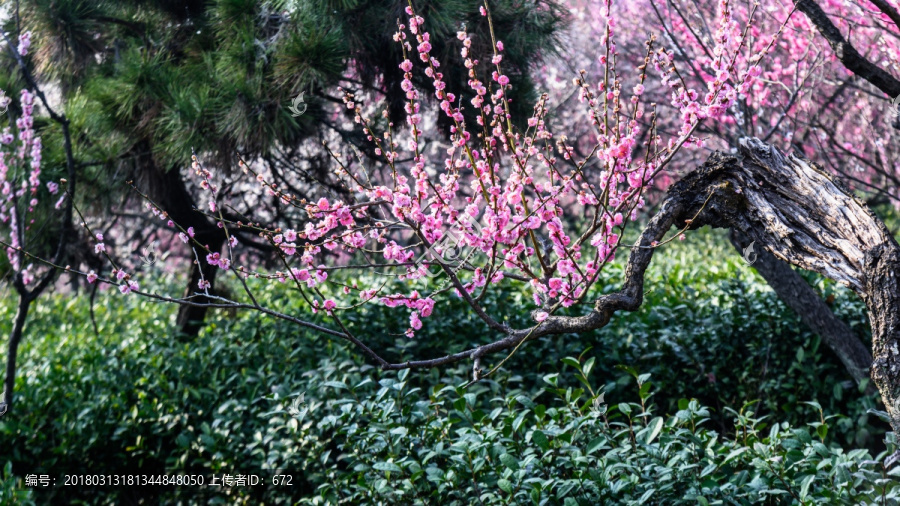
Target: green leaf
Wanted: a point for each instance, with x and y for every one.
(597, 442)
(536, 495)
(735, 453)
(882, 415)
(572, 362)
(843, 476)
(814, 404)
(655, 427)
(509, 461)
(805, 484)
(517, 423)
(644, 391)
(552, 379)
(627, 368)
(863, 384)
(505, 485)
(525, 401)
(387, 466)
(821, 449)
(588, 365)
(541, 439)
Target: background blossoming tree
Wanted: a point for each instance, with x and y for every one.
(26, 211)
(517, 202)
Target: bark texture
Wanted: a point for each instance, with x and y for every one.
(796, 293)
(792, 209)
(803, 216)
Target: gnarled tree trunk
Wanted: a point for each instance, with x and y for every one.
(792, 209)
(796, 293)
(803, 216)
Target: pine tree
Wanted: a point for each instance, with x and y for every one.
(146, 83)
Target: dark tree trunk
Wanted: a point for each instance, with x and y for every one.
(168, 189)
(796, 293)
(15, 337)
(190, 318)
(800, 214)
(845, 52)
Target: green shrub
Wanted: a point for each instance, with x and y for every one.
(565, 445)
(137, 400)
(709, 328)
(134, 397)
(12, 489)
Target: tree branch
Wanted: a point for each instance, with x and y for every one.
(888, 10)
(845, 52)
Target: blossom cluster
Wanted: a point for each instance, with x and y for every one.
(528, 206)
(19, 194)
(801, 97)
(24, 43)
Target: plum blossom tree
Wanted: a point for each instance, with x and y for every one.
(528, 207)
(27, 207)
(145, 83)
(519, 202)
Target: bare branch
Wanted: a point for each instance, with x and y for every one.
(849, 56)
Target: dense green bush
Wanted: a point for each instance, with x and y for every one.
(133, 397)
(567, 446)
(710, 328)
(12, 489)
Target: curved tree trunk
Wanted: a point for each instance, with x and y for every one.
(800, 214)
(786, 205)
(796, 293)
(15, 337)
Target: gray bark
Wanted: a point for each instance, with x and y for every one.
(794, 210)
(800, 214)
(796, 293)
